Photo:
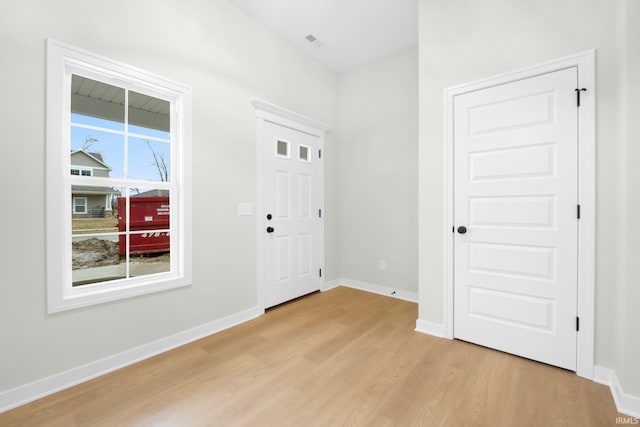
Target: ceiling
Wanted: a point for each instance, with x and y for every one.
(348, 32)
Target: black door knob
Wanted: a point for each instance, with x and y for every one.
(462, 229)
(270, 229)
(269, 216)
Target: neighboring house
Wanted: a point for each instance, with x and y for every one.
(90, 201)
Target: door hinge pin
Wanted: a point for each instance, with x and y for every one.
(320, 152)
(578, 90)
(578, 211)
(319, 213)
(320, 272)
(577, 323)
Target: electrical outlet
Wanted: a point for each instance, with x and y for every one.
(245, 209)
(383, 264)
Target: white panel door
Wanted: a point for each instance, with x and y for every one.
(516, 193)
(292, 213)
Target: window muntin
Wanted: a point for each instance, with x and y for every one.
(87, 117)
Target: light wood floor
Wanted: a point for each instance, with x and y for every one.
(343, 357)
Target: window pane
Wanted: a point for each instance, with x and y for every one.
(103, 152)
(149, 116)
(149, 210)
(96, 104)
(150, 253)
(149, 241)
(96, 259)
(149, 160)
(96, 216)
(283, 148)
(304, 153)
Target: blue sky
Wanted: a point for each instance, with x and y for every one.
(111, 146)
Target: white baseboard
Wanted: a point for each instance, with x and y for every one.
(626, 403)
(430, 328)
(29, 392)
(377, 289)
(327, 286)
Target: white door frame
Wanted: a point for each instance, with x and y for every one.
(266, 112)
(585, 63)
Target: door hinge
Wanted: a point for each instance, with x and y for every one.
(577, 323)
(320, 272)
(578, 90)
(319, 213)
(319, 154)
(453, 229)
(578, 211)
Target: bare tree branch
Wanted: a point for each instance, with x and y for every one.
(160, 163)
(88, 142)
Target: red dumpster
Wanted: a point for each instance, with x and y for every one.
(148, 227)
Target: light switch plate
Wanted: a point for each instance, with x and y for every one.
(245, 208)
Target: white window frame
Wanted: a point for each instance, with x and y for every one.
(86, 208)
(63, 61)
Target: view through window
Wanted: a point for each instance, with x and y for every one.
(123, 229)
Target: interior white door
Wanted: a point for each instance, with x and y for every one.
(292, 217)
(516, 193)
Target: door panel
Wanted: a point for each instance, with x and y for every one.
(516, 187)
(283, 194)
(292, 196)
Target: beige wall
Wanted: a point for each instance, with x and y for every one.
(379, 171)
(465, 40)
(229, 59)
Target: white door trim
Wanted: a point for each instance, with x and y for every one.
(266, 112)
(585, 63)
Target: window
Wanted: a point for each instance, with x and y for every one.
(282, 149)
(81, 171)
(303, 153)
(79, 205)
(116, 136)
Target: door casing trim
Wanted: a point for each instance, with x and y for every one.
(585, 63)
(267, 112)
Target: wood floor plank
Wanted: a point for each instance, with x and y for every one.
(343, 357)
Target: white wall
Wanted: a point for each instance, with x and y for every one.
(465, 40)
(379, 171)
(228, 59)
(629, 324)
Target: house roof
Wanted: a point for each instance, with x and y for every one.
(85, 189)
(95, 156)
